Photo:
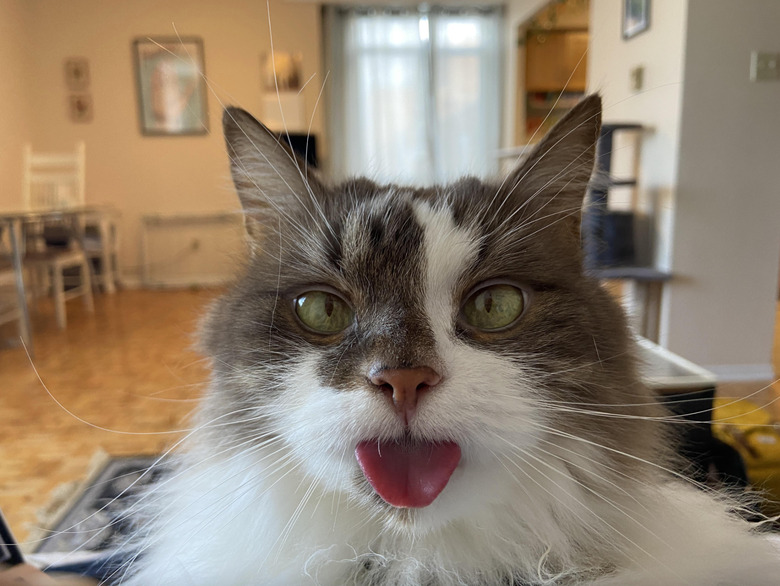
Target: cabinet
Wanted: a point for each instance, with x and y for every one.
(555, 76)
(552, 57)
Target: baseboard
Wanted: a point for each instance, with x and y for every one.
(200, 281)
(187, 282)
(742, 372)
(131, 281)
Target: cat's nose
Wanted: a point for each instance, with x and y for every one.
(404, 386)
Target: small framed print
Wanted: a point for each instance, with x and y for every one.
(77, 74)
(636, 17)
(171, 86)
(80, 106)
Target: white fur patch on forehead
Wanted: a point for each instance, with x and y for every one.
(449, 250)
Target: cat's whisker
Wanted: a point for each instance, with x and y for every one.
(575, 512)
(552, 181)
(519, 181)
(268, 198)
(570, 477)
(556, 432)
(336, 498)
(335, 368)
(284, 534)
(530, 140)
(560, 214)
(133, 508)
(98, 427)
(589, 471)
(311, 119)
(303, 173)
(202, 526)
(574, 407)
(584, 506)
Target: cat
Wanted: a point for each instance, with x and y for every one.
(421, 386)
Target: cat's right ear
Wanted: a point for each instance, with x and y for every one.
(269, 178)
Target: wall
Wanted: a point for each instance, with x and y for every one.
(727, 214)
(15, 59)
(134, 173)
(138, 174)
(708, 166)
(660, 51)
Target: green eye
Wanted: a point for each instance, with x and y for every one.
(493, 307)
(323, 312)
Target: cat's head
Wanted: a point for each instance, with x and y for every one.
(428, 352)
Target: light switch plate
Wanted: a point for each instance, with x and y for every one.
(764, 66)
(637, 78)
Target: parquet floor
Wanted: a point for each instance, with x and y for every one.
(120, 381)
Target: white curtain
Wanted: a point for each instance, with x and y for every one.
(414, 95)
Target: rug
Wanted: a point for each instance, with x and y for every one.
(94, 524)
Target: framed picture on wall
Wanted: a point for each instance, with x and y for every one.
(77, 74)
(636, 17)
(171, 87)
(80, 106)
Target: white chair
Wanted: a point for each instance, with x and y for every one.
(53, 245)
(54, 180)
(57, 180)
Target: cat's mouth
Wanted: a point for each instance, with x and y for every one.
(408, 473)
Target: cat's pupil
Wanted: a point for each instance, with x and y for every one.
(487, 300)
(329, 306)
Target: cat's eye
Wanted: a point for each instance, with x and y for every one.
(493, 307)
(323, 312)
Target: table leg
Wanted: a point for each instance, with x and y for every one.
(15, 234)
(645, 307)
(107, 254)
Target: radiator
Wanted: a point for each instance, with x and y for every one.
(190, 250)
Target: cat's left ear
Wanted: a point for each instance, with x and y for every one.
(553, 179)
(269, 178)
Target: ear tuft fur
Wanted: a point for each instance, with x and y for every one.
(556, 173)
(268, 176)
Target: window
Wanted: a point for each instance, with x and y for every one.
(414, 94)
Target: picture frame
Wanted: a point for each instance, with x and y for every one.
(636, 17)
(76, 73)
(170, 73)
(80, 108)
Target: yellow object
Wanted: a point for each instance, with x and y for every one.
(750, 430)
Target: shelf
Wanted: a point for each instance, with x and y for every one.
(646, 274)
(622, 182)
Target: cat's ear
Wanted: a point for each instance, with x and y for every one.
(269, 178)
(553, 179)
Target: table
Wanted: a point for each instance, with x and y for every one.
(16, 220)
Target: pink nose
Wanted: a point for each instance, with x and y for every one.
(404, 385)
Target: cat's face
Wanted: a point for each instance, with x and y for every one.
(418, 349)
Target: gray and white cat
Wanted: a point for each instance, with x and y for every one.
(421, 387)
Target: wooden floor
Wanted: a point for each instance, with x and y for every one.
(117, 379)
(121, 380)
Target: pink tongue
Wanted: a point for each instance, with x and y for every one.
(408, 475)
